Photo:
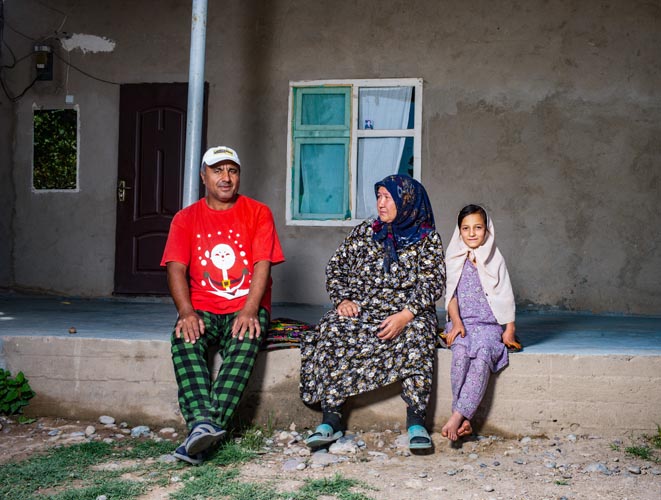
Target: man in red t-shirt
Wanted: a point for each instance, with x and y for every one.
(218, 255)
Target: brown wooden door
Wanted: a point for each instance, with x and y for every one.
(152, 141)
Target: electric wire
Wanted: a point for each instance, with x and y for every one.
(89, 75)
(68, 62)
(17, 97)
(16, 61)
(20, 33)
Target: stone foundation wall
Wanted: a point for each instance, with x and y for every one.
(538, 394)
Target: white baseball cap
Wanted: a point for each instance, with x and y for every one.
(220, 153)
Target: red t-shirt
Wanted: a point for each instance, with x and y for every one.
(220, 248)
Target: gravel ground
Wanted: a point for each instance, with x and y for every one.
(482, 467)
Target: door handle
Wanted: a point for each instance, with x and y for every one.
(121, 190)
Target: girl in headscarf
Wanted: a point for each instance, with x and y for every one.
(384, 281)
(479, 299)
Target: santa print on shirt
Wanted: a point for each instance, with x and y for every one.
(220, 248)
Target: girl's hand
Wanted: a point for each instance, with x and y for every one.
(393, 325)
(457, 329)
(509, 339)
(348, 308)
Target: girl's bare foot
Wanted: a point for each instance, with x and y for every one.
(451, 427)
(465, 429)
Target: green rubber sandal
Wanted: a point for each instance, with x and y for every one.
(324, 434)
(419, 438)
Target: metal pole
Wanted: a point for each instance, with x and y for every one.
(195, 102)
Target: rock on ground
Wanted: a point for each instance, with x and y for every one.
(568, 466)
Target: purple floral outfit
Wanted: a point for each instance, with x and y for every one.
(481, 351)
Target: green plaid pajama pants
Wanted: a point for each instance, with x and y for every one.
(200, 399)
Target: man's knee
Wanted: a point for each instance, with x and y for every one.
(246, 348)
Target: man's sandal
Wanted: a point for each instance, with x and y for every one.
(181, 454)
(202, 437)
(324, 434)
(419, 438)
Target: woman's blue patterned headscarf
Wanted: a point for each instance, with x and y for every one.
(414, 219)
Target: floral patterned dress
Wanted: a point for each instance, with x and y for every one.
(483, 337)
(480, 351)
(343, 356)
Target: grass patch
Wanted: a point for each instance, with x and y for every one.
(115, 489)
(252, 439)
(656, 440)
(78, 472)
(59, 466)
(337, 486)
(145, 449)
(647, 450)
(643, 452)
(66, 472)
(207, 481)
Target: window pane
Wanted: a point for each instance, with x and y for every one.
(377, 158)
(55, 149)
(323, 180)
(385, 108)
(323, 109)
(406, 160)
(334, 159)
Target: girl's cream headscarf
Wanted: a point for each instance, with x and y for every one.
(491, 269)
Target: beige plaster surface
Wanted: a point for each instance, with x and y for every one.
(538, 394)
(547, 112)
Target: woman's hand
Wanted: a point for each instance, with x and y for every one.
(509, 339)
(457, 329)
(348, 308)
(393, 325)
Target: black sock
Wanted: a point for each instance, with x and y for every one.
(413, 418)
(332, 417)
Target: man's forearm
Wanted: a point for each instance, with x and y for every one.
(178, 284)
(258, 285)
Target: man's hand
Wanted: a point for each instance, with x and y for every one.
(348, 308)
(246, 322)
(190, 325)
(247, 319)
(393, 325)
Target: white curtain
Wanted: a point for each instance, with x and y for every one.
(388, 109)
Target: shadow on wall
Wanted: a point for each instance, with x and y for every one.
(533, 330)
(255, 56)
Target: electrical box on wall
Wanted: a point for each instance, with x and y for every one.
(44, 62)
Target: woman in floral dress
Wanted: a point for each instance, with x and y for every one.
(384, 281)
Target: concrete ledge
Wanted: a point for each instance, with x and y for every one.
(537, 394)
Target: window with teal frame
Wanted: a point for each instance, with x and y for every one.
(321, 135)
(343, 137)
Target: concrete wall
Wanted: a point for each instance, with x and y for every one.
(537, 394)
(548, 112)
(7, 194)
